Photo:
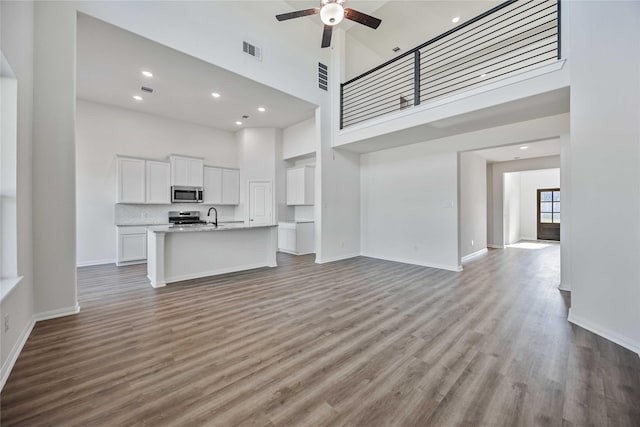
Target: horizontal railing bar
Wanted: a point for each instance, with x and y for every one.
(508, 21)
(393, 98)
(373, 78)
(496, 69)
(473, 75)
(399, 75)
(484, 27)
(485, 68)
(429, 55)
(433, 97)
(402, 91)
(433, 40)
(441, 69)
(383, 90)
(500, 54)
(381, 113)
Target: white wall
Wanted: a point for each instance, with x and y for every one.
(530, 182)
(299, 139)
(473, 203)
(257, 160)
(409, 206)
(511, 207)
(359, 58)
(102, 132)
(605, 160)
(16, 43)
(495, 190)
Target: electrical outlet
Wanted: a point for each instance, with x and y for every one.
(6, 323)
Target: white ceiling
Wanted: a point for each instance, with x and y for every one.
(408, 24)
(110, 61)
(550, 147)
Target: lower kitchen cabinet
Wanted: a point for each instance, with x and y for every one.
(131, 247)
(296, 238)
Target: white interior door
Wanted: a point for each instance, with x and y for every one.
(260, 204)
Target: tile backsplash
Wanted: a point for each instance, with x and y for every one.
(159, 214)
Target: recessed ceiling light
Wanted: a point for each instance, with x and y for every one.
(137, 97)
(524, 147)
(262, 109)
(147, 73)
(239, 123)
(455, 20)
(482, 76)
(215, 94)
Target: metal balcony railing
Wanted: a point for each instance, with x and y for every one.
(512, 37)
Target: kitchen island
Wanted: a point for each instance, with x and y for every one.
(177, 253)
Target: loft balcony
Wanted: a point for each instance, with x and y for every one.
(506, 59)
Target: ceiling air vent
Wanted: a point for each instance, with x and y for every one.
(323, 77)
(146, 89)
(252, 49)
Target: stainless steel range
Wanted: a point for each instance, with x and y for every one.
(185, 218)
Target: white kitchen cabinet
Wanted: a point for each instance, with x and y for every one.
(221, 186)
(131, 245)
(230, 186)
(296, 238)
(130, 180)
(158, 182)
(300, 185)
(186, 171)
(212, 185)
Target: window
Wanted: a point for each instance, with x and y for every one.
(550, 206)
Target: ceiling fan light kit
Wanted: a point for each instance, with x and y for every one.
(332, 12)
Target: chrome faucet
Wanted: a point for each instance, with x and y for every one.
(209, 214)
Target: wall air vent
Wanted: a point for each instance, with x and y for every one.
(252, 49)
(146, 89)
(323, 76)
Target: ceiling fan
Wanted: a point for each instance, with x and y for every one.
(331, 13)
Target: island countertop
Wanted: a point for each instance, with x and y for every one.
(204, 227)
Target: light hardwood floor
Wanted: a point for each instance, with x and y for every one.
(357, 342)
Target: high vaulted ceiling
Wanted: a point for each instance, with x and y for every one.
(407, 24)
(110, 62)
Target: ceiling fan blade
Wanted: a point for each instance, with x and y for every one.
(362, 18)
(326, 35)
(297, 14)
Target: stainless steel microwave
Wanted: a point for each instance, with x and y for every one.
(180, 194)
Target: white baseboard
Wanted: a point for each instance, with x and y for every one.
(604, 332)
(474, 254)
(61, 312)
(564, 287)
(95, 262)
(415, 262)
(496, 246)
(335, 258)
(17, 348)
(125, 263)
(217, 272)
(15, 352)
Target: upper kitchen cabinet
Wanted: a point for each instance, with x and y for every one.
(158, 182)
(230, 186)
(300, 185)
(221, 186)
(186, 171)
(212, 185)
(130, 180)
